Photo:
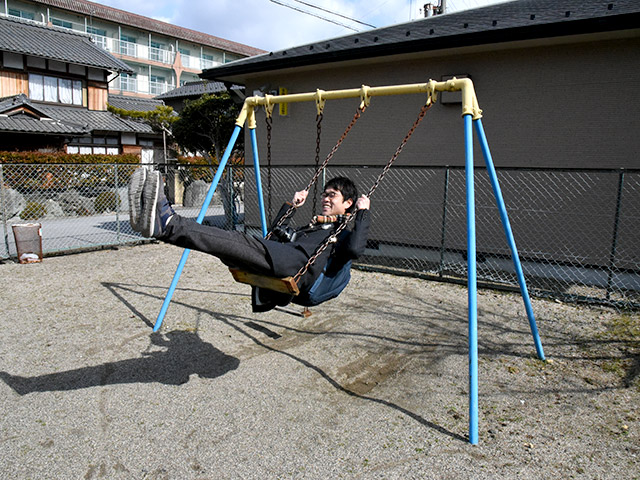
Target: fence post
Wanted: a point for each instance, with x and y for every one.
(614, 240)
(4, 210)
(232, 206)
(443, 233)
(117, 192)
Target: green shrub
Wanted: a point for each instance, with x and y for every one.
(23, 157)
(33, 211)
(57, 171)
(107, 202)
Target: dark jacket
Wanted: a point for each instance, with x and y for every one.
(350, 245)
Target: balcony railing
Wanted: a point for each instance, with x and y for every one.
(197, 63)
(158, 88)
(100, 41)
(141, 85)
(128, 84)
(129, 49)
(208, 63)
(161, 55)
(134, 50)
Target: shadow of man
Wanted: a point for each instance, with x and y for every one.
(184, 354)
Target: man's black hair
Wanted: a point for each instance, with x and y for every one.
(347, 188)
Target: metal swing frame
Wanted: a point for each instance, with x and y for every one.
(472, 115)
(289, 285)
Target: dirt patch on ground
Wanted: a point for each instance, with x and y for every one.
(372, 385)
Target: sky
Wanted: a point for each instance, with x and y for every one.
(269, 25)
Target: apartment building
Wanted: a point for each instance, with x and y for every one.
(161, 56)
(54, 94)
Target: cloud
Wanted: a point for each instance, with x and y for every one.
(267, 25)
(259, 23)
(264, 24)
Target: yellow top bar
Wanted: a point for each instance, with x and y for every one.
(465, 85)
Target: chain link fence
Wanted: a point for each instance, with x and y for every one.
(576, 231)
(85, 206)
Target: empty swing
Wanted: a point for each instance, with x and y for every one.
(331, 282)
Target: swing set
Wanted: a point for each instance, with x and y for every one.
(289, 285)
(471, 115)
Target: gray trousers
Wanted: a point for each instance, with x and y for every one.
(233, 248)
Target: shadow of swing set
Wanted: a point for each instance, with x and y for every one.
(471, 115)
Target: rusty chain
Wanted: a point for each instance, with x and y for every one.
(333, 238)
(269, 122)
(319, 170)
(315, 186)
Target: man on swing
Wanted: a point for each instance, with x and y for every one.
(152, 215)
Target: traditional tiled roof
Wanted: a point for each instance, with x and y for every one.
(499, 23)
(194, 89)
(29, 38)
(19, 101)
(61, 119)
(96, 120)
(134, 103)
(96, 10)
(22, 123)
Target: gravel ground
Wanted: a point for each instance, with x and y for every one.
(373, 385)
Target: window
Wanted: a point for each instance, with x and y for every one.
(99, 36)
(156, 51)
(186, 59)
(97, 31)
(65, 93)
(54, 89)
(230, 58)
(128, 82)
(14, 12)
(158, 85)
(128, 45)
(61, 23)
(207, 61)
(95, 145)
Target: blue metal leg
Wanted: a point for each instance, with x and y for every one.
(471, 284)
(256, 167)
(201, 215)
(507, 229)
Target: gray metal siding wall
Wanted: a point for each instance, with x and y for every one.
(567, 106)
(561, 106)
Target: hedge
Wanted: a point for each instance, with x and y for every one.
(200, 172)
(64, 158)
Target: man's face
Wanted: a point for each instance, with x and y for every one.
(333, 202)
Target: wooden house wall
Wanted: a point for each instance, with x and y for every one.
(13, 83)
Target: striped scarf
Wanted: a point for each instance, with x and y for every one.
(330, 218)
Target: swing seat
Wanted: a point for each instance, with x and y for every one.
(282, 285)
